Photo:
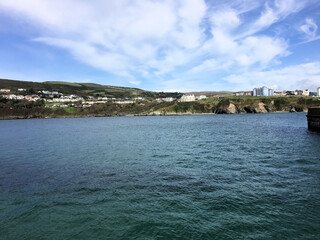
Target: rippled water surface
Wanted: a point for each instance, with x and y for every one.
(180, 177)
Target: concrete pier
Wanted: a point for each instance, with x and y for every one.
(314, 119)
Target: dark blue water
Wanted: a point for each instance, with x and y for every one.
(180, 177)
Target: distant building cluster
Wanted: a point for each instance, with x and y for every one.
(263, 92)
(268, 92)
(58, 99)
(305, 92)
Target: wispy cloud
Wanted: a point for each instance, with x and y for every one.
(310, 28)
(274, 12)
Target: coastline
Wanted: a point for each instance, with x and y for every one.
(136, 115)
(11, 109)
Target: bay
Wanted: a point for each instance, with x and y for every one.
(241, 176)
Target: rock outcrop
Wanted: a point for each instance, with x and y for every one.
(262, 108)
(296, 109)
(225, 107)
(232, 108)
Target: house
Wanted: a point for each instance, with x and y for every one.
(263, 92)
(201, 97)
(29, 98)
(244, 93)
(5, 90)
(289, 93)
(305, 92)
(22, 89)
(124, 102)
(138, 98)
(168, 99)
(279, 93)
(188, 98)
(318, 91)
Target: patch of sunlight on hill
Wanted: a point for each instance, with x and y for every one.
(64, 83)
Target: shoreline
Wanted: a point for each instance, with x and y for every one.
(139, 115)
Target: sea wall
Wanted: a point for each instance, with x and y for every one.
(313, 117)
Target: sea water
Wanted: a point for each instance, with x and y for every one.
(242, 176)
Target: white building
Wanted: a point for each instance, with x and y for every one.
(263, 92)
(65, 99)
(139, 98)
(124, 102)
(306, 92)
(318, 92)
(13, 96)
(244, 93)
(5, 90)
(188, 98)
(201, 97)
(29, 98)
(168, 99)
(22, 89)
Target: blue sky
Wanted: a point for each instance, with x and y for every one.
(163, 45)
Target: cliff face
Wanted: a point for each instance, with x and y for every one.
(265, 105)
(233, 108)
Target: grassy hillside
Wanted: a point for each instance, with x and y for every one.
(83, 89)
(25, 109)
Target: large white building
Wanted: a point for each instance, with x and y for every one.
(263, 92)
(188, 98)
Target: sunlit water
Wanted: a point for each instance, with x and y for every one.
(180, 177)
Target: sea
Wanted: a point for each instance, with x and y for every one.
(238, 176)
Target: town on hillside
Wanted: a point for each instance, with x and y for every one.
(59, 99)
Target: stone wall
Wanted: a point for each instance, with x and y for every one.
(314, 119)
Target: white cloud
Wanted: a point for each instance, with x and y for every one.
(225, 19)
(300, 76)
(107, 35)
(310, 28)
(134, 82)
(84, 52)
(260, 50)
(273, 12)
(248, 52)
(207, 65)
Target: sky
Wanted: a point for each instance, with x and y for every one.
(163, 45)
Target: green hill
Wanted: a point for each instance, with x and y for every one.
(83, 89)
